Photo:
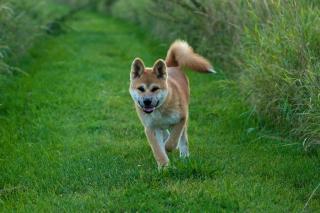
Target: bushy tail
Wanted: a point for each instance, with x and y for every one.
(180, 54)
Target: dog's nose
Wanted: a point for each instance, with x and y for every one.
(147, 102)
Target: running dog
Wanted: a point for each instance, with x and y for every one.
(161, 97)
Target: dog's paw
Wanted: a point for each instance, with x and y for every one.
(184, 149)
(163, 164)
(184, 152)
(163, 167)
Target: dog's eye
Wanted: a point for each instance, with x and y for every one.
(141, 89)
(154, 89)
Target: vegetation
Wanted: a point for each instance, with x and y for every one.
(69, 136)
(70, 139)
(20, 23)
(270, 48)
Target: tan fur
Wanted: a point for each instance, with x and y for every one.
(167, 88)
(182, 55)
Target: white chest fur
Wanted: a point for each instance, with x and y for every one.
(160, 120)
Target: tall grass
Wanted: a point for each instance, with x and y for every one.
(270, 47)
(20, 23)
(281, 69)
(98, 5)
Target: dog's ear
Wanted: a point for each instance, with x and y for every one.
(137, 68)
(160, 69)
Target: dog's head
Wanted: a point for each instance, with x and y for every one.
(148, 86)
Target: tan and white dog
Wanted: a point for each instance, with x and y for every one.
(161, 97)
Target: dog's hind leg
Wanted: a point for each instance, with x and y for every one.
(175, 136)
(183, 144)
(161, 136)
(166, 135)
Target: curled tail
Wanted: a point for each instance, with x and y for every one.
(180, 54)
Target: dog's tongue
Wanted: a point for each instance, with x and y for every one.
(148, 110)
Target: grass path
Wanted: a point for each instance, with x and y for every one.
(70, 139)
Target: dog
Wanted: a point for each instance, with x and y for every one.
(161, 97)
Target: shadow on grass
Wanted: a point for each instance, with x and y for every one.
(190, 169)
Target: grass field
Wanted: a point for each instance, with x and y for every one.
(70, 139)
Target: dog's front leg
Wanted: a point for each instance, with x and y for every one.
(175, 135)
(157, 148)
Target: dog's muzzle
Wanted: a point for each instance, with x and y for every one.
(147, 106)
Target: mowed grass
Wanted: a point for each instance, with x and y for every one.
(71, 140)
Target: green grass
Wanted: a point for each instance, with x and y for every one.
(70, 139)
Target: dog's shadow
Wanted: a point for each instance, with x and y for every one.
(190, 169)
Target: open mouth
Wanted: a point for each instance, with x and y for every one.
(149, 109)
